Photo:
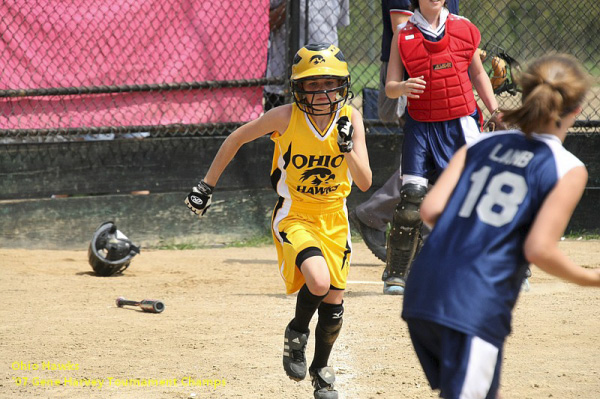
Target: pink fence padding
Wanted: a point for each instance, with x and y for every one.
(57, 43)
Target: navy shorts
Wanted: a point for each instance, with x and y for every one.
(461, 366)
(428, 146)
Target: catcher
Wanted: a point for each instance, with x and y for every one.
(320, 151)
(434, 61)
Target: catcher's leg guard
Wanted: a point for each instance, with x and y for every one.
(423, 234)
(404, 235)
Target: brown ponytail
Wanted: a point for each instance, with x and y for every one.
(553, 86)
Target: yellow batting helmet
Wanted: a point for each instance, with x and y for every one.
(317, 61)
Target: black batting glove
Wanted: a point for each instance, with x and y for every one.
(345, 132)
(198, 201)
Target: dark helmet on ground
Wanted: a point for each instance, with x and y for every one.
(318, 61)
(110, 251)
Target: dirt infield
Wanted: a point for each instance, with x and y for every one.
(221, 334)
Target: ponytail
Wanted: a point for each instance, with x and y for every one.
(553, 86)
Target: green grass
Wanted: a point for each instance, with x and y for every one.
(254, 241)
(364, 74)
(584, 235)
(179, 246)
(266, 240)
(593, 68)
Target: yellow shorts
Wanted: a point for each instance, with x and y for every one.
(296, 228)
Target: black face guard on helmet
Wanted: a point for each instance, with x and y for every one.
(110, 251)
(320, 61)
(343, 95)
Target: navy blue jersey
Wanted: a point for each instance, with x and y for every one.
(387, 7)
(399, 6)
(452, 6)
(470, 270)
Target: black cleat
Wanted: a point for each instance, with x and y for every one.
(294, 359)
(322, 382)
(375, 239)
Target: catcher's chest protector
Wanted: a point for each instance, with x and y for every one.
(444, 65)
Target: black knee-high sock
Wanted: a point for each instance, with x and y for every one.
(326, 333)
(306, 306)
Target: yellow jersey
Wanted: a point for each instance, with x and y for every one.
(308, 167)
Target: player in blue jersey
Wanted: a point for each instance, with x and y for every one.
(504, 201)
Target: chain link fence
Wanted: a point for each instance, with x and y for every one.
(97, 69)
(521, 29)
(101, 70)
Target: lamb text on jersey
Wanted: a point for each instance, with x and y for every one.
(511, 156)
